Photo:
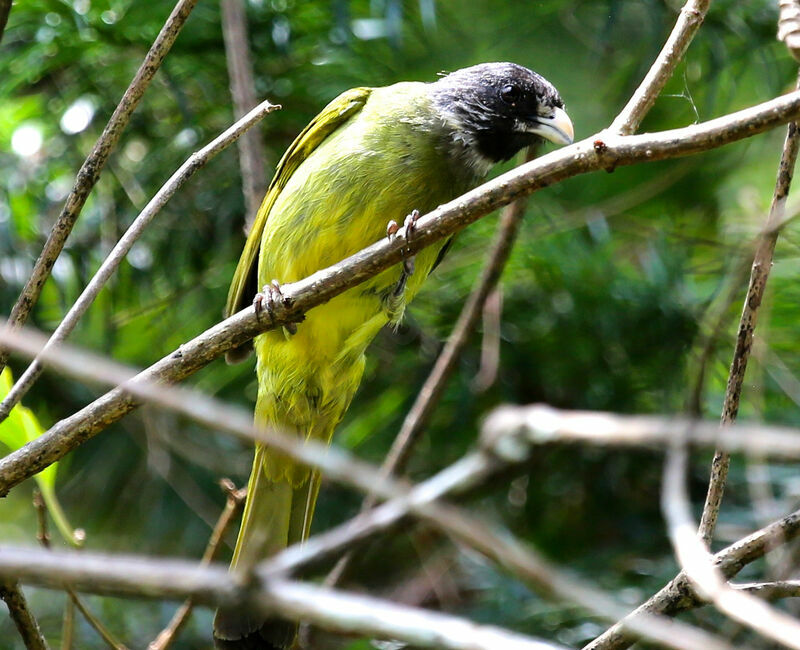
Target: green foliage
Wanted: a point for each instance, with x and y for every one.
(605, 296)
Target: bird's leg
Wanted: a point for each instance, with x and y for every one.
(265, 301)
(396, 303)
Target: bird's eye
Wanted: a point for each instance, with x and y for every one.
(509, 94)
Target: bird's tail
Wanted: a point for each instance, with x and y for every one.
(276, 515)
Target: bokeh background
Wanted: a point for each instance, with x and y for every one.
(608, 295)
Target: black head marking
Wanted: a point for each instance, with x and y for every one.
(500, 107)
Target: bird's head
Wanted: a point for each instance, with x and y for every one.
(499, 108)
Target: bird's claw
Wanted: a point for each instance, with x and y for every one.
(266, 300)
(410, 225)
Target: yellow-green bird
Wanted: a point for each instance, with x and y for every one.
(372, 156)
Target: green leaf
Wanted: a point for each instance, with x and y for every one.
(18, 429)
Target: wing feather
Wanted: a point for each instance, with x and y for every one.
(245, 281)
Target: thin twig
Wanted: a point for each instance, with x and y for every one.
(240, 73)
(442, 222)
(430, 393)
(689, 21)
(762, 263)
(89, 172)
(698, 565)
(234, 501)
(27, 626)
(196, 161)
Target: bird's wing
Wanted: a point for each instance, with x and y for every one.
(245, 281)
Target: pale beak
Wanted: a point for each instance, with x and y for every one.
(556, 128)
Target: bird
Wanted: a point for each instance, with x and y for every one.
(372, 158)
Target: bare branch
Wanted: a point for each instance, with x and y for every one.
(298, 297)
(431, 391)
(89, 172)
(240, 73)
(27, 626)
(762, 263)
(196, 161)
(214, 586)
(698, 565)
(642, 100)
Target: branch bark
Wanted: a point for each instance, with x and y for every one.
(89, 173)
(431, 391)
(762, 263)
(592, 154)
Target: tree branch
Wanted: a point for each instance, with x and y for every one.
(196, 161)
(589, 155)
(762, 263)
(89, 172)
(431, 391)
(771, 590)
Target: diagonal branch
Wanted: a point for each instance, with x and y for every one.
(431, 391)
(196, 161)
(762, 263)
(89, 173)
(233, 503)
(589, 155)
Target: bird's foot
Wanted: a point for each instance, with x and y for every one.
(392, 229)
(266, 300)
